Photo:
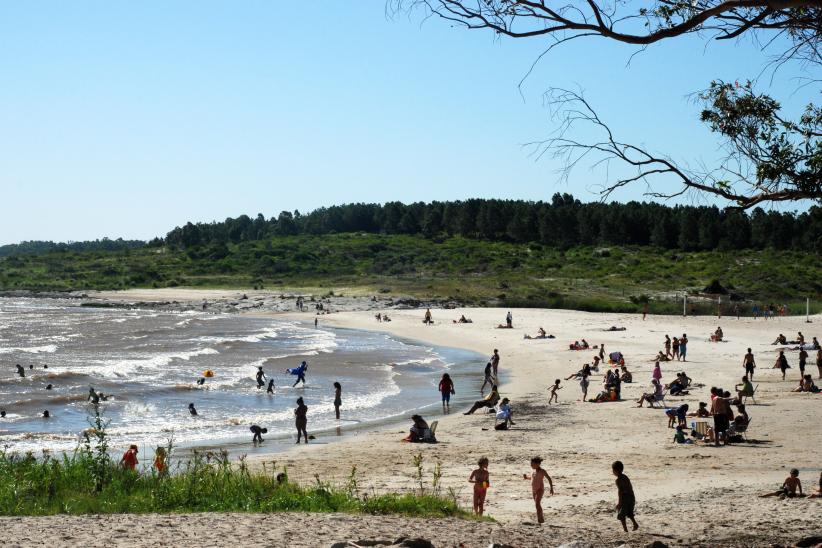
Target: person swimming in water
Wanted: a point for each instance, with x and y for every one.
(261, 378)
(192, 410)
(93, 396)
(201, 381)
(20, 370)
(270, 389)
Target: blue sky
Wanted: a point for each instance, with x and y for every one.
(129, 118)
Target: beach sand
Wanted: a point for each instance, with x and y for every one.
(687, 495)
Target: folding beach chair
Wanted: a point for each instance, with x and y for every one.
(701, 428)
(746, 396)
(429, 436)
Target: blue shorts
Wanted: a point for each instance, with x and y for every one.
(446, 397)
(683, 350)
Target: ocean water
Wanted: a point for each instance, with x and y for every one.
(148, 361)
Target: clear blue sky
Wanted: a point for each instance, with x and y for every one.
(129, 118)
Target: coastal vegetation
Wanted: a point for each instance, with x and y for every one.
(90, 481)
(566, 254)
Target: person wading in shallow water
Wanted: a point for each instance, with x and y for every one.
(301, 420)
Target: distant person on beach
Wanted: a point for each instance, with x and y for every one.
(657, 372)
(495, 362)
(789, 487)
(270, 389)
(538, 477)
(509, 320)
(300, 372)
(819, 361)
(651, 397)
(781, 339)
(668, 347)
(129, 460)
(554, 395)
(489, 377)
(626, 375)
(21, 370)
(803, 359)
(818, 493)
(683, 346)
(258, 434)
(428, 320)
(749, 364)
(316, 322)
(505, 415)
(160, 461)
(301, 420)
(261, 378)
(191, 410)
(337, 399)
(420, 431)
(489, 401)
(781, 363)
(675, 348)
(718, 335)
(446, 388)
(745, 389)
(625, 496)
(481, 480)
(721, 411)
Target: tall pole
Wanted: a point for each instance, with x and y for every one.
(684, 304)
(807, 310)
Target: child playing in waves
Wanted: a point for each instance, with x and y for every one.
(554, 389)
(481, 480)
(538, 477)
(625, 493)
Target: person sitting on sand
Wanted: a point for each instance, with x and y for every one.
(717, 336)
(679, 436)
(814, 344)
(626, 375)
(615, 328)
(541, 334)
(660, 357)
(806, 384)
(385, 318)
(420, 431)
(191, 410)
(505, 415)
(818, 493)
(584, 344)
(595, 364)
(427, 320)
(741, 419)
(789, 487)
(489, 401)
(781, 339)
(702, 412)
(501, 326)
(129, 460)
(463, 319)
(781, 363)
(745, 389)
(653, 396)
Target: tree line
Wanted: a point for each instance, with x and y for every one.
(563, 222)
(40, 247)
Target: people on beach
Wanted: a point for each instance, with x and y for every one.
(538, 477)
(781, 363)
(803, 359)
(129, 460)
(427, 320)
(653, 396)
(745, 389)
(716, 337)
(446, 388)
(192, 411)
(258, 434)
(677, 414)
(509, 320)
(749, 363)
(160, 461)
(819, 361)
(780, 340)
(554, 395)
(337, 399)
(584, 382)
(420, 431)
(495, 362)
(270, 389)
(722, 413)
(657, 372)
(505, 415)
(626, 375)
(626, 501)
(261, 378)
(806, 384)
(789, 487)
(702, 412)
(489, 401)
(668, 347)
(481, 480)
(463, 319)
(679, 435)
(299, 372)
(301, 420)
(489, 377)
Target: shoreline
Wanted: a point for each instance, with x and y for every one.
(714, 489)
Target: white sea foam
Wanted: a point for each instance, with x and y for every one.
(45, 349)
(148, 366)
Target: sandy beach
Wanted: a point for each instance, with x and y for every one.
(686, 494)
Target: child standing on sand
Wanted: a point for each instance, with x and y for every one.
(481, 480)
(554, 389)
(625, 493)
(538, 477)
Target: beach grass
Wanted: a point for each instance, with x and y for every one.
(466, 271)
(71, 484)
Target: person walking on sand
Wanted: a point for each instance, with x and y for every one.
(446, 388)
(554, 395)
(538, 477)
(819, 361)
(495, 362)
(129, 460)
(509, 320)
(489, 377)
(668, 347)
(749, 364)
(803, 359)
(261, 378)
(625, 496)
(481, 480)
(301, 420)
(781, 363)
(337, 399)
(644, 311)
